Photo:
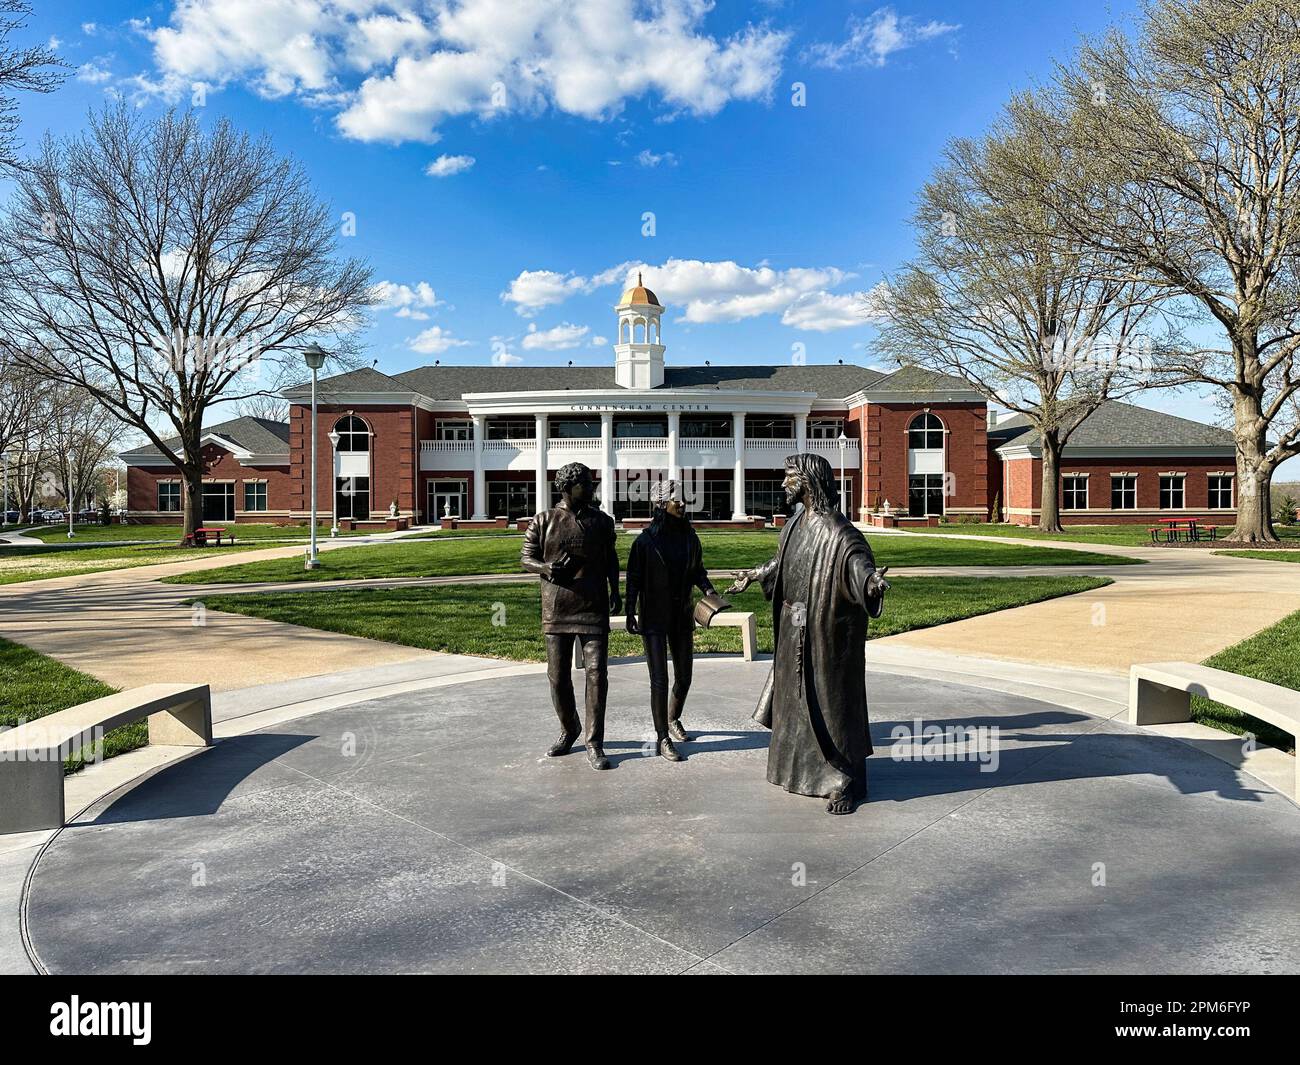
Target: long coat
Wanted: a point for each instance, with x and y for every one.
(664, 595)
(831, 652)
(578, 602)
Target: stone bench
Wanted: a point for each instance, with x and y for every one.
(31, 755)
(1160, 693)
(728, 619)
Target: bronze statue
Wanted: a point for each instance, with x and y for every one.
(823, 584)
(571, 547)
(665, 564)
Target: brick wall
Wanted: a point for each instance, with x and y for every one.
(394, 456)
(1024, 488)
(219, 465)
(966, 460)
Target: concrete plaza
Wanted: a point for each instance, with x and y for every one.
(388, 823)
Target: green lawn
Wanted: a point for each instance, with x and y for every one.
(504, 620)
(19, 564)
(722, 550)
(58, 534)
(33, 685)
(1269, 556)
(1272, 655)
(1134, 535)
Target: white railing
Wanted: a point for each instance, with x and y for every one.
(707, 443)
(514, 444)
(641, 443)
(573, 443)
(445, 445)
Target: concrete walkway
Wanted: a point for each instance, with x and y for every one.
(1184, 604)
(423, 831)
(125, 628)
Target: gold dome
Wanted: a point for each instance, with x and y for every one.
(640, 294)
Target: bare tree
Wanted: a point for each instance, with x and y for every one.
(1043, 325)
(33, 69)
(163, 267)
(267, 408)
(1192, 129)
(81, 435)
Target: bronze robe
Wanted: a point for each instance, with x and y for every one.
(815, 698)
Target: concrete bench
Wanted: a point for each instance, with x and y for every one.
(1160, 693)
(727, 619)
(31, 755)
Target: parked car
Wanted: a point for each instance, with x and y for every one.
(11, 517)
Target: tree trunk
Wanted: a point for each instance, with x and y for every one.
(191, 500)
(1049, 514)
(1254, 471)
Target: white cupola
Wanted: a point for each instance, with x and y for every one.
(638, 354)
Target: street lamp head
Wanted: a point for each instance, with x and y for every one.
(334, 438)
(314, 355)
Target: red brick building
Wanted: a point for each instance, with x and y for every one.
(484, 442)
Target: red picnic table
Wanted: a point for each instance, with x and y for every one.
(200, 536)
(1173, 527)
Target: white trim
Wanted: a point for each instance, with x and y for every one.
(639, 401)
(1032, 451)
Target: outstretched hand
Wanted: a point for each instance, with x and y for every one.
(743, 580)
(876, 583)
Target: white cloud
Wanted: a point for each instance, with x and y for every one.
(557, 339)
(447, 165)
(95, 72)
(505, 358)
(534, 289)
(398, 72)
(824, 311)
(599, 342)
(873, 39)
(409, 301)
(721, 291)
(89, 29)
(434, 341)
(648, 158)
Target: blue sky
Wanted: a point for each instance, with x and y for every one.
(551, 135)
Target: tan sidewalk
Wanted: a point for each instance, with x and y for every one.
(126, 629)
(1185, 604)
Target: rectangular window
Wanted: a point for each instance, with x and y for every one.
(218, 502)
(1123, 492)
(762, 427)
(511, 428)
(825, 428)
(1074, 493)
(169, 496)
(765, 497)
(352, 497)
(1220, 492)
(514, 499)
(449, 430)
(254, 495)
(924, 494)
(575, 428)
(640, 427)
(445, 499)
(714, 427)
(1172, 495)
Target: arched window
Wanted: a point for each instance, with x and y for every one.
(353, 434)
(925, 433)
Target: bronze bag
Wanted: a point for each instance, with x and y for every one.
(709, 605)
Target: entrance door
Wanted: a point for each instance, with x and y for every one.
(218, 502)
(925, 495)
(446, 498)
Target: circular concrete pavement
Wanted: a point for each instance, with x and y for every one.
(426, 832)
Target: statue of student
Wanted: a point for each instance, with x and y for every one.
(571, 547)
(665, 564)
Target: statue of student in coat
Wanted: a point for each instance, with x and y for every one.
(665, 565)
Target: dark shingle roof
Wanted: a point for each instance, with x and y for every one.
(1116, 424)
(917, 379)
(362, 380)
(451, 382)
(261, 436)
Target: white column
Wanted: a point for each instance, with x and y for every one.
(480, 480)
(738, 477)
(674, 431)
(801, 432)
(607, 463)
(543, 488)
